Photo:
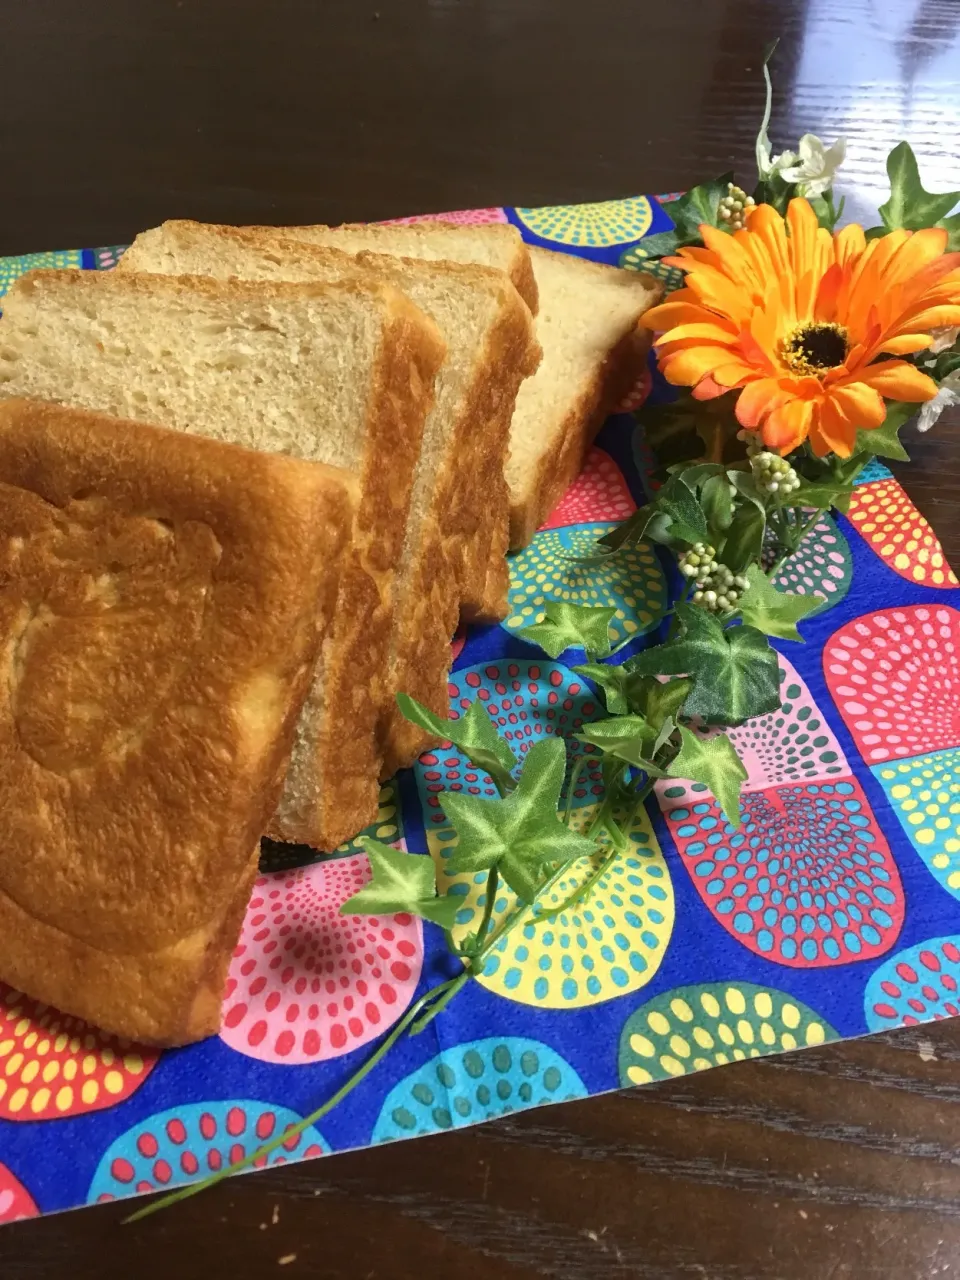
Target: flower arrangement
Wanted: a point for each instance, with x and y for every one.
(800, 349)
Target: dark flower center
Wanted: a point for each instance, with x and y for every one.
(815, 348)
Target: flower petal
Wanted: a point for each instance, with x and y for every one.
(685, 368)
(832, 431)
(896, 380)
(757, 399)
(863, 405)
(848, 245)
(907, 344)
(673, 313)
(707, 389)
(788, 426)
(709, 331)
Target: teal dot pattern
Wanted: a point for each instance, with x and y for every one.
(476, 1081)
(552, 568)
(636, 259)
(597, 225)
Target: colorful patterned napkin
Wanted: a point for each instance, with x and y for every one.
(833, 911)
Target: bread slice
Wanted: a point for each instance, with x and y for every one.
(497, 245)
(459, 479)
(162, 602)
(593, 352)
(341, 374)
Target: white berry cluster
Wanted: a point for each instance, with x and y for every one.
(733, 207)
(752, 440)
(774, 474)
(716, 588)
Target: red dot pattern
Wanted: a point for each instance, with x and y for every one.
(307, 983)
(598, 493)
(895, 677)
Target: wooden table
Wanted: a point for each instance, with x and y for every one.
(839, 1162)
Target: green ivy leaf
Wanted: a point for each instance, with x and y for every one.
(614, 682)
(474, 733)
(657, 700)
(567, 626)
(629, 738)
(715, 763)
(775, 613)
(687, 523)
(910, 205)
(823, 494)
(521, 833)
(717, 504)
(400, 882)
(698, 205)
(735, 671)
(744, 541)
(883, 441)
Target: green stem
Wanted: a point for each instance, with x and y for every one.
(797, 535)
(455, 986)
(184, 1193)
(493, 879)
(581, 891)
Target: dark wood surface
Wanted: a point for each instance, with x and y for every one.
(839, 1162)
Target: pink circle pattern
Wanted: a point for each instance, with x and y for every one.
(307, 984)
(598, 493)
(895, 677)
(463, 217)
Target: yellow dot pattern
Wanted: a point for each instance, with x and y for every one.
(552, 568)
(13, 268)
(925, 794)
(611, 940)
(54, 1065)
(894, 528)
(730, 1022)
(598, 225)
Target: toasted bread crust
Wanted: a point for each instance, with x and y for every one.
(520, 272)
(470, 491)
(347, 764)
(162, 602)
(558, 470)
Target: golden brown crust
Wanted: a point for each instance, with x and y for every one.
(521, 269)
(558, 470)
(162, 600)
(470, 491)
(356, 659)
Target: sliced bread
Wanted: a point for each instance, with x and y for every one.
(496, 244)
(490, 349)
(593, 352)
(162, 602)
(340, 374)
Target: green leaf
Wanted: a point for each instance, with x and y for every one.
(521, 833)
(744, 541)
(630, 738)
(715, 763)
(474, 733)
(883, 441)
(567, 626)
(910, 205)
(687, 523)
(775, 613)
(660, 244)
(717, 504)
(400, 882)
(735, 671)
(952, 228)
(698, 205)
(822, 494)
(657, 700)
(612, 680)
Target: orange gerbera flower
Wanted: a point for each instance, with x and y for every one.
(796, 319)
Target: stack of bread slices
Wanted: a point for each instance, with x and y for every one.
(250, 481)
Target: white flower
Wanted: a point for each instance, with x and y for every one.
(816, 164)
(947, 396)
(813, 165)
(943, 339)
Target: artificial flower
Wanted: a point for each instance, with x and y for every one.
(948, 395)
(812, 169)
(797, 320)
(943, 338)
